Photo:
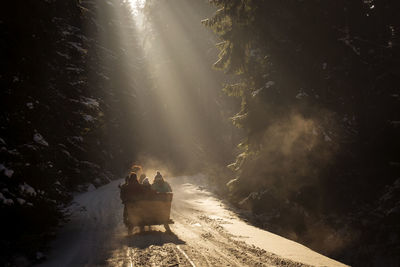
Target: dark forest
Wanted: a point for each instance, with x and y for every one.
(291, 109)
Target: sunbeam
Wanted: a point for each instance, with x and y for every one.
(199, 133)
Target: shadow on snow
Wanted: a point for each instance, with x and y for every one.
(147, 238)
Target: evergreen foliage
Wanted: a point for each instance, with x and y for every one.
(67, 114)
(318, 85)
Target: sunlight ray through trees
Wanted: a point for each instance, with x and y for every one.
(184, 91)
(289, 109)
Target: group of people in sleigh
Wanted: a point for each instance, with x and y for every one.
(135, 189)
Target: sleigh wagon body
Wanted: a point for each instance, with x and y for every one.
(152, 209)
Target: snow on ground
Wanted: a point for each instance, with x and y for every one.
(206, 233)
(38, 138)
(95, 216)
(251, 235)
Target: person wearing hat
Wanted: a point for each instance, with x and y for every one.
(146, 183)
(130, 191)
(160, 185)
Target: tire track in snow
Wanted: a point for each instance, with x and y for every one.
(186, 256)
(96, 235)
(130, 253)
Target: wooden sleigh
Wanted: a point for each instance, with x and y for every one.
(152, 209)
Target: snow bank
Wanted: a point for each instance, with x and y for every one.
(2, 141)
(88, 118)
(38, 138)
(6, 201)
(91, 188)
(90, 102)
(78, 47)
(27, 189)
(216, 210)
(301, 94)
(21, 201)
(7, 172)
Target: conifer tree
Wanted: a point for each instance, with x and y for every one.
(333, 67)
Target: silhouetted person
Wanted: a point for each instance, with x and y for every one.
(130, 191)
(146, 183)
(160, 185)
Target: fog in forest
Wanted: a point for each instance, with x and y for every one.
(289, 111)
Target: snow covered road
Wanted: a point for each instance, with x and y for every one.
(205, 233)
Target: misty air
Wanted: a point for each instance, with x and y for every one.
(200, 133)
